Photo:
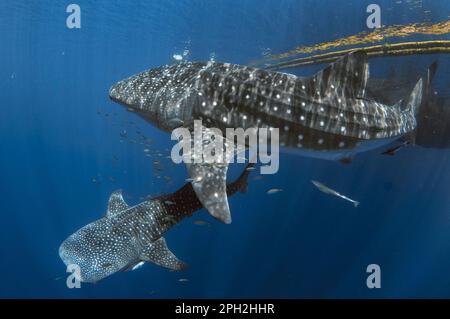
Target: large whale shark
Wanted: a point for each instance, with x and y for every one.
(325, 116)
(125, 236)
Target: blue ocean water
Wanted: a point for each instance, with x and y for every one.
(63, 154)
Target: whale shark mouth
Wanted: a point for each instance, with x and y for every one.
(332, 102)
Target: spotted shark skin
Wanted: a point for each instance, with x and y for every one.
(127, 236)
(324, 116)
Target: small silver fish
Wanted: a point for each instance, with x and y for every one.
(325, 189)
(274, 191)
(200, 222)
(183, 280)
(194, 180)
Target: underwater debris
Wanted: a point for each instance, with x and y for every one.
(377, 35)
(382, 50)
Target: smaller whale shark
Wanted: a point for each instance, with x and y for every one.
(126, 237)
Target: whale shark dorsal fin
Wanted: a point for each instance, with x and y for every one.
(116, 203)
(413, 102)
(159, 254)
(347, 77)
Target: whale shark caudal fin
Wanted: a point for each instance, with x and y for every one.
(116, 203)
(159, 254)
(346, 77)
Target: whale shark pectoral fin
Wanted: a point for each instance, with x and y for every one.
(116, 203)
(208, 170)
(347, 77)
(209, 184)
(159, 254)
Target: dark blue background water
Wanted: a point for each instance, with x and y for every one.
(297, 243)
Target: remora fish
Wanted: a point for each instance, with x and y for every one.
(128, 236)
(325, 189)
(325, 116)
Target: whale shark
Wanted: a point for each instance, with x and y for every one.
(324, 116)
(126, 237)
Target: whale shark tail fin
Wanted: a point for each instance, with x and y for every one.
(347, 77)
